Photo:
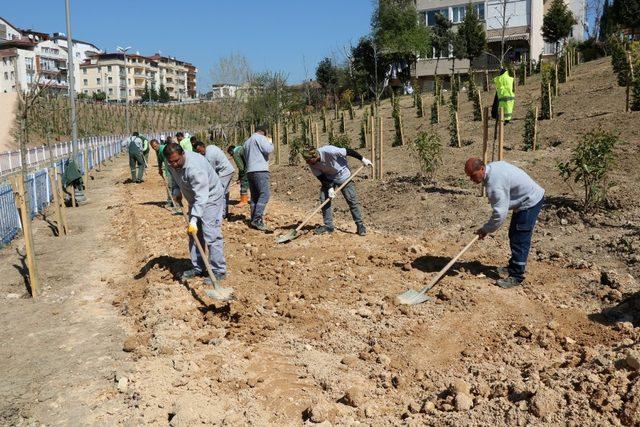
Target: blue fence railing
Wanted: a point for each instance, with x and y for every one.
(38, 185)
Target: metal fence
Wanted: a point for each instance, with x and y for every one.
(37, 183)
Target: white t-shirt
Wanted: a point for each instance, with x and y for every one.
(333, 164)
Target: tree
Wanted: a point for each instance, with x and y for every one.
(471, 30)
(233, 70)
(370, 67)
(397, 31)
(627, 13)
(459, 50)
(557, 23)
(153, 94)
(163, 95)
(441, 39)
(146, 95)
(327, 77)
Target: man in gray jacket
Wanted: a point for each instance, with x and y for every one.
(256, 155)
(509, 188)
(196, 181)
(220, 164)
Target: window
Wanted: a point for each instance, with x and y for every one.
(85, 82)
(110, 91)
(458, 14)
(84, 71)
(109, 68)
(98, 80)
(431, 16)
(110, 80)
(29, 63)
(480, 11)
(6, 75)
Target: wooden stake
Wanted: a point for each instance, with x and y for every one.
(317, 135)
(457, 130)
(482, 109)
(373, 145)
(485, 140)
(550, 100)
(629, 83)
(56, 203)
(486, 78)
(555, 79)
(401, 129)
(501, 134)
(277, 143)
(535, 129)
(380, 142)
(19, 194)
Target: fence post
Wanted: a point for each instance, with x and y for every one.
(56, 202)
(19, 194)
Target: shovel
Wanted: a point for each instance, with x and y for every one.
(412, 297)
(295, 233)
(218, 292)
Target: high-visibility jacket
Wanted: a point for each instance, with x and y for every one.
(504, 91)
(186, 144)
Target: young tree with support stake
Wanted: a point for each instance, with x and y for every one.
(557, 24)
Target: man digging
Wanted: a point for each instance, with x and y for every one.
(195, 178)
(237, 152)
(509, 188)
(330, 165)
(136, 157)
(221, 165)
(256, 155)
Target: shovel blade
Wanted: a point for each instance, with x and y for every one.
(220, 293)
(412, 297)
(287, 237)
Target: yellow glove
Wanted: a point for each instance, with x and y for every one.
(193, 227)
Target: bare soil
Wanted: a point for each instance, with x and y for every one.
(314, 335)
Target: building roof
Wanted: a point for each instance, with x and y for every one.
(58, 36)
(22, 43)
(10, 24)
(513, 33)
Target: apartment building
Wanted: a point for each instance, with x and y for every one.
(522, 23)
(191, 80)
(17, 64)
(81, 52)
(173, 75)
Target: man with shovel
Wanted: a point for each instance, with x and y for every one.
(195, 179)
(256, 154)
(136, 157)
(221, 165)
(330, 165)
(509, 188)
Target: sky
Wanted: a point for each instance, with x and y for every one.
(275, 35)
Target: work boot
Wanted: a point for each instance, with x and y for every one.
(362, 230)
(503, 272)
(509, 282)
(244, 201)
(219, 277)
(323, 229)
(259, 224)
(191, 273)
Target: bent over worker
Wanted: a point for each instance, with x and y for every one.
(237, 152)
(218, 160)
(504, 95)
(330, 165)
(136, 157)
(256, 155)
(195, 179)
(509, 188)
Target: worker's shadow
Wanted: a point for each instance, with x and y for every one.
(432, 264)
(23, 270)
(162, 204)
(627, 310)
(176, 266)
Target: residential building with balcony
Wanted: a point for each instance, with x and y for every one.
(192, 71)
(51, 66)
(9, 31)
(17, 64)
(521, 21)
(173, 75)
(81, 52)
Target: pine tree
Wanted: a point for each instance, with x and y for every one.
(454, 138)
(472, 88)
(363, 134)
(419, 106)
(557, 23)
(529, 136)
(477, 108)
(545, 98)
(635, 103)
(434, 112)
(522, 74)
(342, 124)
(454, 92)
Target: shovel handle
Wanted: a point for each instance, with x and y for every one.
(448, 266)
(203, 255)
(308, 218)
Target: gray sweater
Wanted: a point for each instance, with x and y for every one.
(218, 160)
(256, 153)
(198, 182)
(508, 188)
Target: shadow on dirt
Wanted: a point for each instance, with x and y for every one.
(627, 310)
(433, 264)
(23, 270)
(162, 204)
(174, 265)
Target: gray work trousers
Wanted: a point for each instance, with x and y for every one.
(225, 181)
(349, 193)
(210, 235)
(259, 187)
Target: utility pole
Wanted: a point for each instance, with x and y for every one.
(72, 86)
(126, 90)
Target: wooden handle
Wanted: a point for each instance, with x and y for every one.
(203, 254)
(448, 266)
(303, 223)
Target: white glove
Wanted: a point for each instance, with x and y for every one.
(332, 193)
(366, 161)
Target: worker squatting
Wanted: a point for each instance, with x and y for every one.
(201, 176)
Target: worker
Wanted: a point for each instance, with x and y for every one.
(163, 171)
(505, 97)
(196, 181)
(509, 188)
(146, 149)
(256, 155)
(185, 142)
(330, 165)
(221, 165)
(237, 152)
(136, 159)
